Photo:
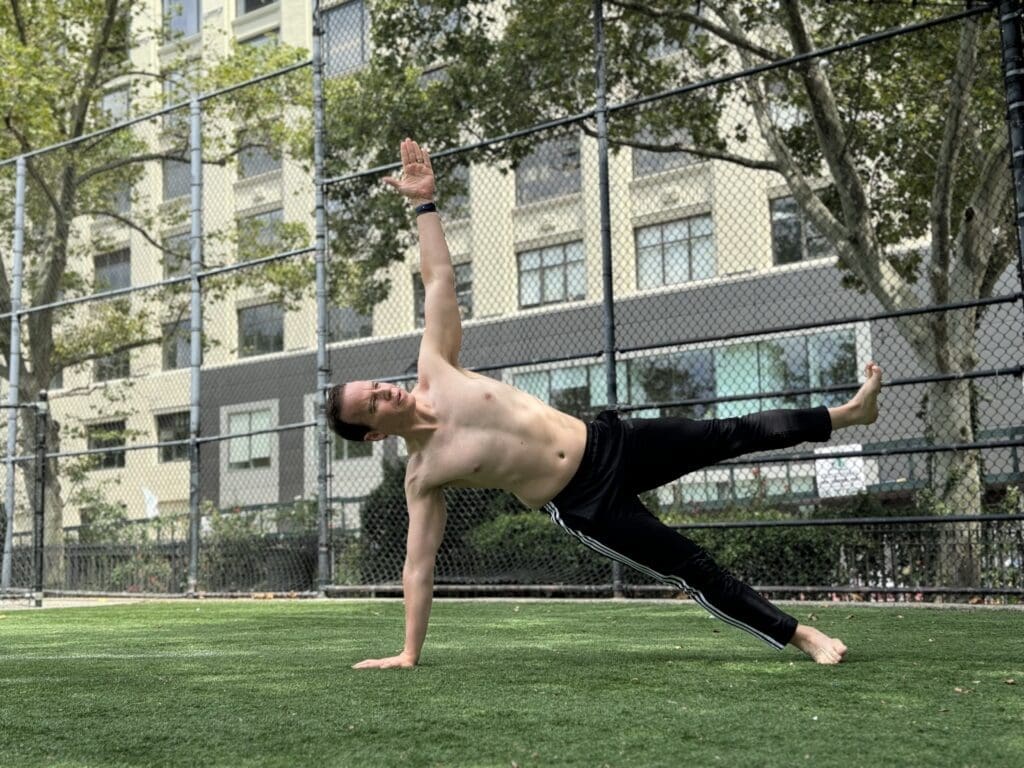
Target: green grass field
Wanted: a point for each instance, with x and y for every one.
(503, 683)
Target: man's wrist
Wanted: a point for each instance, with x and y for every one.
(415, 202)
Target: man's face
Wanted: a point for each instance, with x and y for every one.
(378, 405)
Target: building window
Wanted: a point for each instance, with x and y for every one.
(114, 105)
(670, 378)
(177, 349)
(796, 362)
(453, 191)
(171, 427)
(647, 162)
(109, 434)
(344, 323)
(113, 270)
(256, 158)
(260, 330)
(260, 235)
(676, 252)
(793, 238)
(177, 178)
(579, 390)
(551, 170)
(181, 18)
(177, 255)
(248, 6)
(249, 451)
(113, 366)
(463, 293)
(350, 449)
(346, 38)
(551, 275)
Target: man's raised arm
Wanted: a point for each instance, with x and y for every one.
(442, 332)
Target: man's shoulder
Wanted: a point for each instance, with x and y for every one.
(431, 366)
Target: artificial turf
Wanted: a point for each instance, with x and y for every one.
(504, 683)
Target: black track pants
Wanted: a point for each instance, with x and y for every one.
(600, 507)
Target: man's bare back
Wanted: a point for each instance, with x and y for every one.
(491, 435)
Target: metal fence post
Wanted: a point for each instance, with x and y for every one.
(322, 368)
(195, 336)
(38, 531)
(606, 233)
(14, 366)
(1013, 77)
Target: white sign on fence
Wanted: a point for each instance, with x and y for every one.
(842, 476)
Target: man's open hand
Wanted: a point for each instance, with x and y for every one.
(392, 662)
(417, 181)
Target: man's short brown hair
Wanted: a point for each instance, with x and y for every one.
(354, 432)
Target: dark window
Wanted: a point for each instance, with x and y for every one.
(463, 293)
(248, 6)
(249, 451)
(793, 238)
(113, 366)
(256, 156)
(177, 256)
(346, 38)
(344, 323)
(177, 178)
(670, 378)
(260, 330)
(551, 170)
(113, 270)
(260, 235)
(177, 350)
(109, 434)
(170, 427)
(675, 252)
(553, 274)
(647, 161)
(453, 191)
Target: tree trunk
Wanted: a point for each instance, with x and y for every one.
(956, 481)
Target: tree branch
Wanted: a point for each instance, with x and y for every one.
(732, 36)
(19, 22)
(946, 162)
(702, 152)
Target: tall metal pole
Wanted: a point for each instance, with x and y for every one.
(195, 336)
(606, 232)
(42, 425)
(1013, 80)
(322, 367)
(14, 366)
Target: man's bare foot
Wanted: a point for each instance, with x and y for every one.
(863, 407)
(819, 646)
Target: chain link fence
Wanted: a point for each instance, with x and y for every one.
(739, 219)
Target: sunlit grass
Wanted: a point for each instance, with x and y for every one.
(503, 683)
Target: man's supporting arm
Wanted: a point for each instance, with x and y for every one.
(427, 517)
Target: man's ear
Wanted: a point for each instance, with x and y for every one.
(374, 436)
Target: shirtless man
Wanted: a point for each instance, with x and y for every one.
(463, 429)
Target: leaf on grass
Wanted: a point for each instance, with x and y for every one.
(958, 689)
(1010, 681)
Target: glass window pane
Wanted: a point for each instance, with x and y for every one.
(529, 289)
(576, 279)
(786, 235)
(736, 374)
(535, 383)
(677, 267)
(554, 284)
(553, 256)
(529, 260)
(346, 38)
(702, 256)
(648, 268)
